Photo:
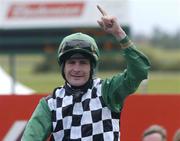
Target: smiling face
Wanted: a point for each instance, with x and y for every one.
(77, 70)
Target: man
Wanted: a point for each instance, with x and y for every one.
(176, 136)
(87, 108)
(155, 133)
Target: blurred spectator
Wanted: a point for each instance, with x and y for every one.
(176, 136)
(155, 133)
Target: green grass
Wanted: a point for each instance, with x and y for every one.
(158, 83)
(164, 82)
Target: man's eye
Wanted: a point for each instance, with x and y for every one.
(83, 62)
(71, 62)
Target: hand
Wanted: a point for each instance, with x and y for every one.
(110, 24)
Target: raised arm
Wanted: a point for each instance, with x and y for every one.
(117, 88)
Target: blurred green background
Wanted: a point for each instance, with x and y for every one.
(42, 73)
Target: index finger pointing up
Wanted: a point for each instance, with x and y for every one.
(103, 12)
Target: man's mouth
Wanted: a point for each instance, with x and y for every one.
(77, 76)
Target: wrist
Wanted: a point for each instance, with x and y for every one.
(125, 42)
(120, 35)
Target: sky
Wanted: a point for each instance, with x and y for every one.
(145, 15)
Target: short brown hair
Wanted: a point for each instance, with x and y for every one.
(156, 129)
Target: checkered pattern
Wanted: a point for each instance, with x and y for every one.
(84, 117)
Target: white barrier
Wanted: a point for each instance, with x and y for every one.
(6, 85)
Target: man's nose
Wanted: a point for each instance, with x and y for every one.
(76, 66)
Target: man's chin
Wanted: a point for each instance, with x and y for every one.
(77, 82)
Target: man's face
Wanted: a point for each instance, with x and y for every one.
(77, 70)
(153, 137)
